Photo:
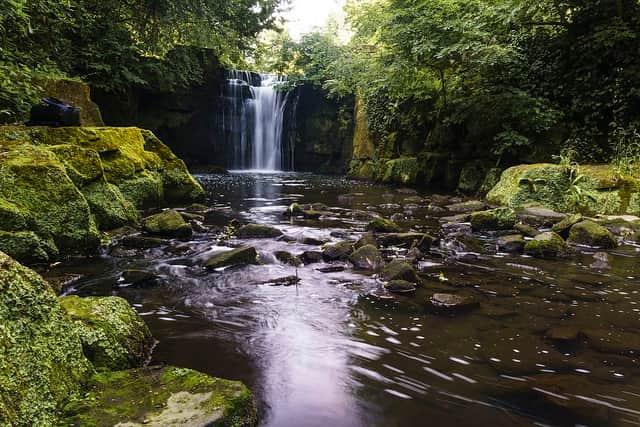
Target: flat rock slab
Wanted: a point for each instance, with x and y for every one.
(164, 397)
(452, 302)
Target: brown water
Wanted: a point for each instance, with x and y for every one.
(337, 350)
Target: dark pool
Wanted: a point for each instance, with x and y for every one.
(551, 343)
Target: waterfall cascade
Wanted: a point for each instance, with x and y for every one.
(253, 119)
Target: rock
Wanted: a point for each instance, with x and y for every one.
(511, 243)
(42, 364)
(613, 341)
(436, 210)
(313, 241)
(467, 207)
(311, 257)
(141, 242)
(258, 231)
(367, 239)
(400, 270)
(219, 217)
(591, 234)
(400, 286)
(311, 214)
(26, 247)
(293, 210)
(139, 278)
(452, 302)
(420, 240)
(401, 171)
(168, 223)
(287, 258)
(159, 397)
(367, 258)
(239, 256)
(197, 208)
(461, 243)
(381, 225)
(282, 281)
(563, 227)
(526, 230)
(600, 261)
(495, 219)
(456, 219)
(540, 216)
(338, 252)
(567, 334)
(113, 336)
(188, 216)
(546, 245)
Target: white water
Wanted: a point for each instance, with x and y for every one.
(255, 122)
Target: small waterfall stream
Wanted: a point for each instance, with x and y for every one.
(253, 119)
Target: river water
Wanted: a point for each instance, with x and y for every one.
(551, 343)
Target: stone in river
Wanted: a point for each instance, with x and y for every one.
(511, 243)
(591, 234)
(400, 286)
(494, 219)
(452, 302)
(563, 227)
(467, 207)
(287, 258)
(338, 252)
(546, 245)
(238, 256)
(563, 333)
(168, 223)
(367, 257)
(400, 270)
(258, 231)
(381, 225)
(311, 257)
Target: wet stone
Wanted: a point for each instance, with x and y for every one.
(258, 231)
(546, 245)
(140, 278)
(591, 234)
(419, 240)
(400, 286)
(313, 241)
(168, 223)
(540, 217)
(467, 207)
(311, 257)
(141, 242)
(381, 225)
(400, 270)
(451, 302)
(511, 243)
(526, 230)
(563, 227)
(338, 252)
(494, 219)
(367, 258)
(331, 269)
(563, 333)
(238, 256)
(366, 239)
(287, 258)
(613, 341)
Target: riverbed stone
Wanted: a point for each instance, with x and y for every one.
(400, 287)
(546, 245)
(591, 234)
(467, 207)
(140, 278)
(613, 341)
(287, 258)
(258, 231)
(367, 257)
(162, 397)
(494, 219)
(238, 256)
(382, 225)
(452, 302)
(366, 239)
(294, 209)
(539, 216)
(419, 240)
(168, 224)
(400, 270)
(113, 335)
(511, 243)
(566, 334)
(338, 252)
(141, 242)
(311, 257)
(526, 230)
(563, 227)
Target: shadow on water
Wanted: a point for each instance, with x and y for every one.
(550, 342)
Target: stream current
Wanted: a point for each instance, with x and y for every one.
(551, 342)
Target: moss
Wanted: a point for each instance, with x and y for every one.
(401, 171)
(113, 336)
(471, 177)
(238, 256)
(26, 247)
(546, 245)
(400, 270)
(168, 396)
(76, 93)
(494, 219)
(337, 252)
(367, 257)
(287, 258)
(168, 223)
(591, 234)
(490, 180)
(109, 207)
(382, 225)
(41, 360)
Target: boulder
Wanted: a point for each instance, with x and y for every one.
(400, 270)
(168, 224)
(239, 256)
(287, 258)
(563, 227)
(381, 225)
(338, 252)
(540, 216)
(26, 246)
(159, 397)
(494, 219)
(113, 336)
(293, 210)
(367, 257)
(311, 257)
(511, 243)
(257, 231)
(546, 245)
(591, 234)
(526, 230)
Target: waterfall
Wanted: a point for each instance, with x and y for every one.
(253, 121)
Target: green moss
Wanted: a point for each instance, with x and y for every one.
(546, 245)
(26, 246)
(494, 219)
(41, 360)
(337, 252)
(163, 397)
(109, 207)
(401, 171)
(382, 225)
(400, 270)
(168, 223)
(238, 256)
(113, 336)
(367, 257)
(591, 234)
(144, 191)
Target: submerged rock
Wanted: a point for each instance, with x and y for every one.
(168, 223)
(140, 278)
(400, 270)
(591, 234)
(367, 258)
(338, 252)
(546, 245)
(381, 225)
(452, 302)
(113, 336)
(494, 219)
(511, 243)
(162, 397)
(258, 231)
(238, 256)
(400, 286)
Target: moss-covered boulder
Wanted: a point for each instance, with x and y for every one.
(113, 335)
(162, 397)
(258, 231)
(42, 364)
(546, 245)
(382, 225)
(400, 270)
(563, 227)
(401, 171)
(168, 223)
(494, 219)
(591, 234)
(239, 256)
(338, 252)
(288, 258)
(26, 246)
(367, 257)
(74, 92)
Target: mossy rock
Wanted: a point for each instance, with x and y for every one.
(494, 219)
(113, 335)
(591, 234)
(563, 227)
(400, 287)
(74, 92)
(162, 397)
(367, 257)
(168, 223)
(400, 270)
(338, 252)
(288, 258)
(546, 245)
(239, 256)
(382, 225)
(401, 171)
(419, 240)
(42, 364)
(257, 231)
(26, 247)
